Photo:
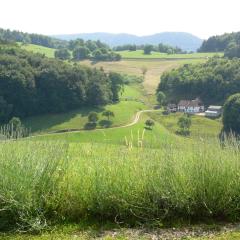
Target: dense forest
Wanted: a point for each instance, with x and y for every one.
(94, 50)
(229, 43)
(17, 36)
(212, 81)
(31, 84)
(162, 48)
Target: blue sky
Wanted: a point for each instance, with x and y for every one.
(141, 17)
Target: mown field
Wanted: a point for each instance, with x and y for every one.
(157, 55)
(134, 67)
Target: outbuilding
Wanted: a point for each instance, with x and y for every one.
(214, 111)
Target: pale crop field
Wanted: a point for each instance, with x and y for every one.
(155, 68)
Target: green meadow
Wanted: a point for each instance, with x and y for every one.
(48, 52)
(158, 55)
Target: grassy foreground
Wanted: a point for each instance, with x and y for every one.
(60, 182)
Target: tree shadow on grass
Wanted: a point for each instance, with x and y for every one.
(105, 123)
(90, 126)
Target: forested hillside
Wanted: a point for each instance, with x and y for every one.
(31, 84)
(17, 36)
(229, 43)
(212, 81)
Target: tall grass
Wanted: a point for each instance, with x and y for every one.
(42, 181)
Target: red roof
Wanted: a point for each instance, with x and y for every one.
(190, 103)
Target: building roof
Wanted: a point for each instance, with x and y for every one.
(190, 103)
(213, 108)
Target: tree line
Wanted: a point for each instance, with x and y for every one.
(94, 50)
(38, 39)
(229, 43)
(147, 48)
(31, 84)
(213, 81)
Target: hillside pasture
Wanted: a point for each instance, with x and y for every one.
(134, 67)
(202, 127)
(48, 52)
(77, 119)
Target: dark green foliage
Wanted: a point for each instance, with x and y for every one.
(81, 53)
(117, 82)
(108, 114)
(129, 47)
(31, 84)
(232, 51)
(94, 50)
(148, 49)
(184, 124)
(149, 124)
(213, 81)
(93, 117)
(160, 48)
(169, 49)
(17, 36)
(228, 43)
(16, 123)
(231, 114)
(161, 98)
(62, 54)
(5, 110)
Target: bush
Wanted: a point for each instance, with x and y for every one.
(231, 114)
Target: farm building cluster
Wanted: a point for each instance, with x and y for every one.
(195, 107)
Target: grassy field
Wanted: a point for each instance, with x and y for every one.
(124, 113)
(158, 55)
(202, 127)
(48, 52)
(177, 180)
(119, 136)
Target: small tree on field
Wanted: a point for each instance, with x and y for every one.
(93, 117)
(144, 71)
(16, 123)
(108, 114)
(184, 124)
(161, 98)
(147, 49)
(149, 124)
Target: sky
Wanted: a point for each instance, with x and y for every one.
(202, 18)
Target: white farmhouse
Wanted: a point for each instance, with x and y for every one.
(191, 106)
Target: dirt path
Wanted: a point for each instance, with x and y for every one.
(135, 121)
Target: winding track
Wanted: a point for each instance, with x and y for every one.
(135, 121)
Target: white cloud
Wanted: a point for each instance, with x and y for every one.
(141, 17)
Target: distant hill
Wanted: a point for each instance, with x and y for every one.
(185, 41)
